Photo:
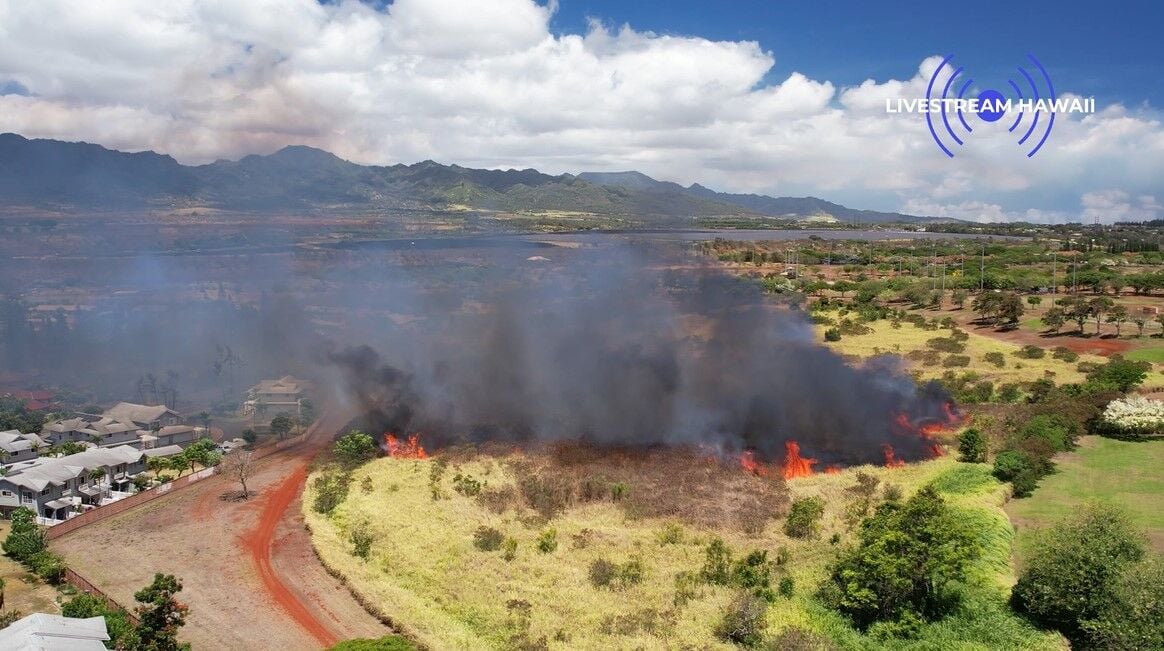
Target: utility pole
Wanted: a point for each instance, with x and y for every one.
(982, 271)
(1054, 278)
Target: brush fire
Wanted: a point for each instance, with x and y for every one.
(617, 353)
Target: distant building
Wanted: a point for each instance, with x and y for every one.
(272, 397)
(148, 417)
(44, 632)
(101, 431)
(15, 447)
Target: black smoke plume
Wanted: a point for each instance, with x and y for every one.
(626, 346)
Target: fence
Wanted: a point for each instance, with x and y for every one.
(113, 508)
(84, 585)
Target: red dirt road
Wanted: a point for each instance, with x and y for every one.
(249, 573)
(259, 542)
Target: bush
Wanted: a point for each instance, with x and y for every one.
(1120, 374)
(754, 572)
(631, 572)
(804, 517)
(786, 587)
(971, 446)
(1009, 392)
(1064, 353)
(832, 334)
(1134, 417)
(509, 549)
(487, 539)
(956, 361)
(908, 562)
(47, 566)
(1075, 571)
(996, 358)
(717, 564)
(466, 485)
(1030, 352)
(548, 541)
(26, 538)
(361, 538)
(744, 620)
(1009, 464)
(795, 638)
(355, 448)
(946, 345)
(602, 572)
(671, 534)
(331, 489)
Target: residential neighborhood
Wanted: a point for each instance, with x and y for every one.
(58, 487)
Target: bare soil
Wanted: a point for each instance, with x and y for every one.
(249, 574)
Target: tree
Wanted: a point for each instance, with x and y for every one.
(986, 305)
(972, 446)
(1140, 323)
(1055, 319)
(804, 516)
(25, 538)
(960, 296)
(1034, 301)
(1133, 615)
(281, 425)
(1117, 315)
(355, 448)
(1076, 568)
(157, 464)
(160, 615)
(1120, 374)
(1010, 308)
(202, 452)
(1099, 306)
(250, 436)
(1076, 309)
(905, 565)
(239, 466)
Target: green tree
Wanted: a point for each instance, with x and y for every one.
(160, 615)
(804, 516)
(355, 448)
(909, 556)
(1075, 570)
(1118, 316)
(972, 446)
(26, 538)
(281, 425)
(1132, 617)
(1055, 319)
(1120, 374)
(1099, 306)
(960, 296)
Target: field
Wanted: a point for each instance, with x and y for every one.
(424, 570)
(1123, 473)
(23, 591)
(884, 338)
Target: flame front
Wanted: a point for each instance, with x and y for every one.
(410, 448)
(794, 464)
(891, 460)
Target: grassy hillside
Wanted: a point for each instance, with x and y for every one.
(424, 571)
(1124, 473)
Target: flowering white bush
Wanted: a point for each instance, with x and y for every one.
(1135, 414)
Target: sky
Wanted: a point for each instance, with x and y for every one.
(765, 96)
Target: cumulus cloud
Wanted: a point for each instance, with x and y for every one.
(488, 83)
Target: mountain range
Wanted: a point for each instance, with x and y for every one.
(88, 177)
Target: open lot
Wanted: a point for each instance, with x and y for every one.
(249, 574)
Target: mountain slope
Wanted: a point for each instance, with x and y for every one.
(81, 176)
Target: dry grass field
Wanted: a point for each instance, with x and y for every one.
(424, 570)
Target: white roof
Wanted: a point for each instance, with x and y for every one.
(44, 632)
(164, 451)
(128, 411)
(39, 473)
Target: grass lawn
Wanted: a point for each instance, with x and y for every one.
(1123, 473)
(1152, 352)
(425, 573)
(901, 341)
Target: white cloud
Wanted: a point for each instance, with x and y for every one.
(487, 83)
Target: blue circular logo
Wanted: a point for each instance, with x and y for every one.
(991, 105)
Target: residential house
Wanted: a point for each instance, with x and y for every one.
(101, 431)
(45, 632)
(15, 447)
(272, 397)
(182, 435)
(58, 487)
(147, 417)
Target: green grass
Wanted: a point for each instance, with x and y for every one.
(1152, 353)
(1123, 473)
(425, 573)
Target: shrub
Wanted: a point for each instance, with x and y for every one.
(1009, 464)
(509, 549)
(1120, 374)
(908, 561)
(631, 572)
(803, 517)
(548, 541)
(786, 587)
(25, 539)
(744, 620)
(466, 485)
(366, 485)
(619, 491)
(1134, 417)
(602, 572)
(1075, 569)
(832, 334)
(487, 539)
(47, 566)
(956, 361)
(331, 489)
(795, 638)
(355, 448)
(754, 572)
(1064, 353)
(717, 564)
(972, 446)
(1009, 392)
(361, 538)
(946, 345)
(996, 358)
(671, 534)
(686, 588)
(1030, 352)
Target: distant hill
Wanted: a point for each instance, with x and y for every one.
(82, 176)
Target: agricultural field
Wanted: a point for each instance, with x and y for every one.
(428, 563)
(1123, 473)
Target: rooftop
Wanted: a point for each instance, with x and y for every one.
(44, 632)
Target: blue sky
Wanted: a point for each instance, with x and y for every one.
(1111, 50)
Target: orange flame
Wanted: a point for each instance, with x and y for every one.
(891, 460)
(795, 465)
(408, 449)
(832, 469)
(748, 462)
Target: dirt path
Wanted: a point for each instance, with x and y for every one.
(250, 576)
